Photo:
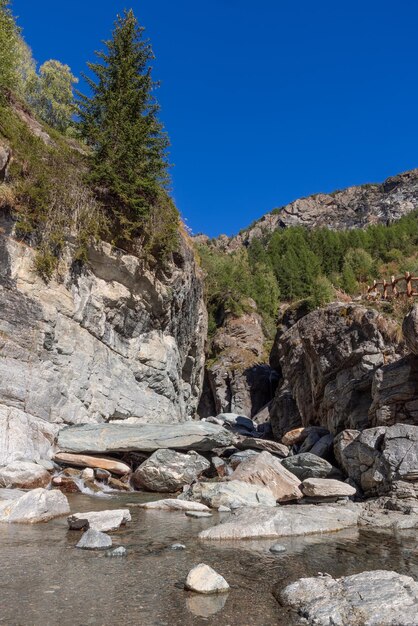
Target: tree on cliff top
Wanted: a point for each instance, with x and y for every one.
(120, 122)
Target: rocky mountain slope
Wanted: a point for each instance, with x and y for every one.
(354, 207)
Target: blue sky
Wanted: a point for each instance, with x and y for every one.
(264, 101)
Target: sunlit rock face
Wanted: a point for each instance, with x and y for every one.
(113, 340)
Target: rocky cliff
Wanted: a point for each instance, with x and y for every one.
(354, 207)
(113, 340)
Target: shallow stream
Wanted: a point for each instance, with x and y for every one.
(45, 581)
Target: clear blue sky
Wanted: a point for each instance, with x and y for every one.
(265, 101)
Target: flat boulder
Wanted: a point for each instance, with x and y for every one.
(233, 494)
(38, 505)
(103, 521)
(307, 465)
(368, 599)
(105, 438)
(93, 462)
(24, 475)
(204, 579)
(326, 488)
(266, 470)
(263, 445)
(283, 521)
(168, 471)
(173, 504)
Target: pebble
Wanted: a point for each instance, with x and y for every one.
(177, 546)
(120, 551)
(277, 548)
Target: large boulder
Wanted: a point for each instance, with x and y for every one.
(102, 521)
(103, 438)
(93, 462)
(326, 488)
(284, 521)
(38, 505)
(114, 340)
(378, 458)
(307, 465)
(24, 475)
(329, 359)
(368, 599)
(168, 471)
(410, 329)
(267, 471)
(233, 494)
(395, 393)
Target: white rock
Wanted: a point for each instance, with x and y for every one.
(198, 514)
(24, 437)
(38, 505)
(94, 540)
(24, 475)
(204, 579)
(104, 521)
(173, 504)
(232, 494)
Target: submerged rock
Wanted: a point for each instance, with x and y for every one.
(283, 521)
(103, 521)
(172, 504)
(94, 540)
(277, 548)
(198, 514)
(368, 599)
(117, 552)
(24, 475)
(233, 494)
(102, 438)
(177, 546)
(169, 471)
(267, 471)
(204, 579)
(38, 505)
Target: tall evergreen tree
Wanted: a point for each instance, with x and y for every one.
(120, 121)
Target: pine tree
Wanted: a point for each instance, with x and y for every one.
(120, 121)
(9, 35)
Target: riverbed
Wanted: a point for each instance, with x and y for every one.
(46, 581)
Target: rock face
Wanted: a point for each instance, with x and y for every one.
(410, 330)
(367, 599)
(38, 505)
(102, 438)
(267, 471)
(114, 340)
(329, 358)
(284, 521)
(233, 494)
(379, 458)
(354, 207)
(167, 470)
(24, 475)
(204, 579)
(235, 381)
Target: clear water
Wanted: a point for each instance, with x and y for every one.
(45, 581)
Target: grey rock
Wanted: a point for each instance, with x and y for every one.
(323, 447)
(284, 412)
(113, 342)
(198, 514)
(224, 509)
(103, 521)
(267, 471)
(237, 423)
(117, 552)
(168, 471)
(309, 465)
(203, 579)
(174, 504)
(177, 546)
(233, 494)
(283, 521)
(94, 540)
(395, 393)
(326, 488)
(238, 457)
(249, 443)
(24, 475)
(102, 438)
(367, 599)
(5, 156)
(277, 548)
(378, 458)
(38, 505)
